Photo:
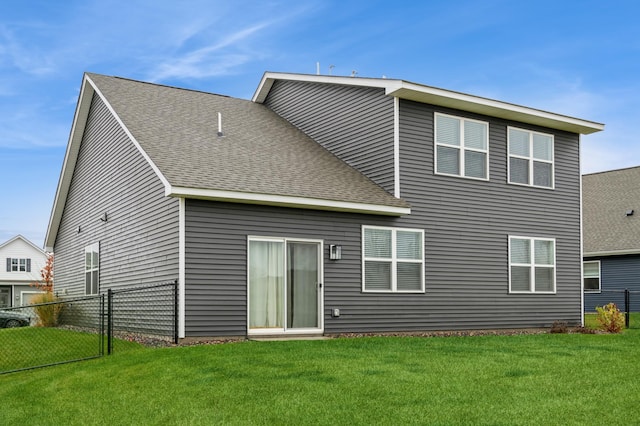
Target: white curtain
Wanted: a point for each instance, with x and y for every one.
(266, 284)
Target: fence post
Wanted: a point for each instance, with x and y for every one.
(109, 321)
(627, 307)
(175, 312)
(102, 333)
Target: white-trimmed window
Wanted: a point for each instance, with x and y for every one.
(92, 269)
(530, 158)
(532, 264)
(18, 265)
(392, 259)
(591, 276)
(462, 147)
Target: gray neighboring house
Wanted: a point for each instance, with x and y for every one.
(324, 205)
(611, 221)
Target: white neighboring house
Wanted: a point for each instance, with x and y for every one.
(21, 264)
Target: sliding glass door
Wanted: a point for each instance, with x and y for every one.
(284, 285)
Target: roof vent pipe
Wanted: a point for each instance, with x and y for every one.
(220, 124)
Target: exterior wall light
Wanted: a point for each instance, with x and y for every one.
(335, 252)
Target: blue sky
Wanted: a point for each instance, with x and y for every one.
(579, 58)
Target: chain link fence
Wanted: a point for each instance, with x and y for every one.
(75, 329)
(51, 333)
(145, 314)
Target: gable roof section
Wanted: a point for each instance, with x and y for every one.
(20, 237)
(261, 159)
(441, 97)
(606, 198)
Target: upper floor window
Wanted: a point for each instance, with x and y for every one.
(462, 147)
(18, 265)
(92, 268)
(530, 158)
(591, 276)
(532, 264)
(393, 259)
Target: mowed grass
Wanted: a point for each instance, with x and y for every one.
(34, 346)
(524, 379)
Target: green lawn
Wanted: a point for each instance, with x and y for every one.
(34, 346)
(524, 379)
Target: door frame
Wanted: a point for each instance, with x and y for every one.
(320, 290)
(10, 288)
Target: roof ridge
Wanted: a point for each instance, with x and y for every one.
(161, 85)
(611, 171)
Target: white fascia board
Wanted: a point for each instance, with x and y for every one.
(70, 157)
(611, 253)
(286, 201)
(441, 97)
(493, 108)
(269, 77)
(155, 168)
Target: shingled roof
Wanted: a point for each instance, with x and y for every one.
(607, 198)
(260, 152)
(259, 159)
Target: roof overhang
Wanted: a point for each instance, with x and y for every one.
(285, 201)
(70, 157)
(611, 253)
(441, 97)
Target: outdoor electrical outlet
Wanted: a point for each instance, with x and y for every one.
(336, 312)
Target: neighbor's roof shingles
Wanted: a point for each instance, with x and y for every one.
(606, 197)
(260, 152)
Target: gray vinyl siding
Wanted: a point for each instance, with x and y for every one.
(139, 241)
(616, 274)
(354, 123)
(467, 224)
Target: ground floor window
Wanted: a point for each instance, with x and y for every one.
(393, 259)
(591, 276)
(532, 265)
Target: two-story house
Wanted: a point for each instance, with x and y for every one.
(324, 205)
(23, 262)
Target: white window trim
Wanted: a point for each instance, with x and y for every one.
(461, 147)
(531, 159)
(91, 248)
(284, 330)
(599, 290)
(20, 262)
(393, 260)
(532, 265)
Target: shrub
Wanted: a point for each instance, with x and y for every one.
(559, 327)
(610, 318)
(47, 314)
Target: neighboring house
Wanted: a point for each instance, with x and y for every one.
(324, 205)
(22, 262)
(611, 221)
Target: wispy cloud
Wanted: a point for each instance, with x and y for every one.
(14, 53)
(210, 60)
